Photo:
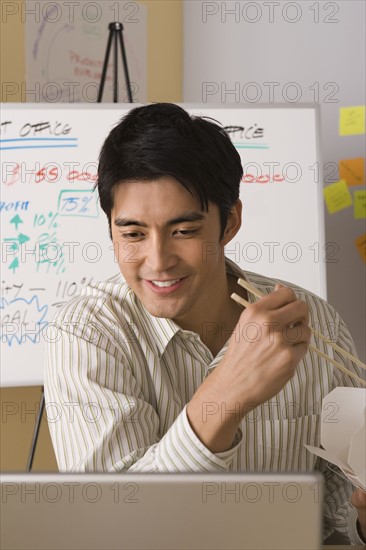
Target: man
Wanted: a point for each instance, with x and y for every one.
(158, 369)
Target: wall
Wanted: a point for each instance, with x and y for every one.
(12, 59)
(309, 51)
(19, 405)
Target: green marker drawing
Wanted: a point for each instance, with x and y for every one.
(16, 221)
(23, 238)
(14, 264)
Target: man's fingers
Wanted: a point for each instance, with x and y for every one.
(358, 499)
(286, 312)
(280, 296)
(299, 333)
(296, 312)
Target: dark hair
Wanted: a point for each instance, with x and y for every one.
(162, 139)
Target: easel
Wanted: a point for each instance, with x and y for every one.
(115, 35)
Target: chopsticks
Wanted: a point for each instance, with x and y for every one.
(250, 288)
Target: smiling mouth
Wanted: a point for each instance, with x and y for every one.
(166, 283)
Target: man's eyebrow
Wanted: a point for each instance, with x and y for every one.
(185, 217)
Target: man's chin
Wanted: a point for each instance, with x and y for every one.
(160, 306)
(159, 310)
(162, 312)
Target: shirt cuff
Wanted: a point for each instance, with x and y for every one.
(354, 535)
(181, 449)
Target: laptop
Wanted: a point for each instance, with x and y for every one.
(161, 511)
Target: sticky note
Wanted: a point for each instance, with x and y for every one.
(352, 170)
(359, 204)
(360, 243)
(337, 196)
(352, 120)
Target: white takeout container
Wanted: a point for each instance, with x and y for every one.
(343, 425)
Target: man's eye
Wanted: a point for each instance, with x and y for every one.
(131, 235)
(186, 231)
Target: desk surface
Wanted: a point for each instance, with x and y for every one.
(343, 547)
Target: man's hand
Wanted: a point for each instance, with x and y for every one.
(257, 366)
(358, 500)
(254, 368)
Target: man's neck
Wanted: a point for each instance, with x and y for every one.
(229, 317)
(222, 319)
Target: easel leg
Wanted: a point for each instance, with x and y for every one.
(105, 66)
(36, 433)
(125, 67)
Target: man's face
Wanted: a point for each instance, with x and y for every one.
(167, 248)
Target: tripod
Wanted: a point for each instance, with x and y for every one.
(115, 34)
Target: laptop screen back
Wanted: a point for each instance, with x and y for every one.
(166, 511)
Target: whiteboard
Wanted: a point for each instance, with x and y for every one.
(55, 236)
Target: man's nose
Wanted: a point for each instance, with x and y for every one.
(161, 256)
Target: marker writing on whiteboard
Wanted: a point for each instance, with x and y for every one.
(22, 320)
(55, 128)
(242, 132)
(4, 127)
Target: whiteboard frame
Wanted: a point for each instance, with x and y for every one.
(199, 106)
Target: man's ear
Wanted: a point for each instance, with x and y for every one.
(233, 222)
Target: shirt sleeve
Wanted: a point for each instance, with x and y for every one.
(340, 517)
(98, 417)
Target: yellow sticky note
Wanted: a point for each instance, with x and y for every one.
(359, 203)
(337, 196)
(352, 120)
(360, 243)
(352, 170)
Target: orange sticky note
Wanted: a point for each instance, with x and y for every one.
(359, 202)
(352, 170)
(352, 120)
(360, 243)
(337, 196)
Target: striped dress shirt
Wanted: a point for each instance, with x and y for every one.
(118, 381)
